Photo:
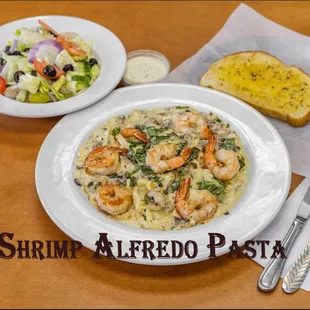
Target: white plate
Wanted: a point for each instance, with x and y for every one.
(269, 171)
(108, 50)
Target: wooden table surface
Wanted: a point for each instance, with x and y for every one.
(177, 29)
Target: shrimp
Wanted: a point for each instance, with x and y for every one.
(223, 164)
(162, 157)
(114, 199)
(104, 160)
(133, 132)
(188, 121)
(71, 48)
(191, 204)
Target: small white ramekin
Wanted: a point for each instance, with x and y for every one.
(158, 55)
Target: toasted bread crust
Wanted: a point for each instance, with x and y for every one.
(289, 103)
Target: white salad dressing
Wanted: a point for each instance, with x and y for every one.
(145, 69)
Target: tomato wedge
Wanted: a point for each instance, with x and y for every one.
(40, 65)
(2, 85)
(71, 48)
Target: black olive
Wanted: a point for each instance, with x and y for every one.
(2, 62)
(16, 53)
(93, 62)
(33, 72)
(7, 48)
(49, 71)
(17, 75)
(68, 67)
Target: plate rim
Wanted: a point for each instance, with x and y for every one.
(220, 251)
(122, 64)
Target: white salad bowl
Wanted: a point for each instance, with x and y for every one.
(107, 49)
(269, 172)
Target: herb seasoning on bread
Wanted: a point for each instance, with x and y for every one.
(263, 81)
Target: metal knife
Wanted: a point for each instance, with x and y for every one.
(272, 272)
(297, 273)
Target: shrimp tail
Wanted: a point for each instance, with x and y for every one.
(211, 144)
(179, 161)
(133, 132)
(209, 159)
(69, 47)
(184, 188)
(186, 153)
(48, 28)
(119, 150)
(181, 197)
(140, 136)
(206, 133)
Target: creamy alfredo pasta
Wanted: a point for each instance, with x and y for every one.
(163, 169)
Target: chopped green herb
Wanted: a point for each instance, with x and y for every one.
(229, 144)
(115, 131)
(146, 169)
(216, 120)
(135, 143)
(215, 186)
(182, 107)
(152, 131)
(97, 185)
(241, 162)
(137, 152)
(123, 182)
(122, 178)
(140, 155)
(90, 184)
(157, 139)
(181, 146)
(133, 181)
(157, 180)
(175, 185)
(194, 154)
(221, 196)
(140, 127)
(131, 156)
(149, 199)
(181, 172)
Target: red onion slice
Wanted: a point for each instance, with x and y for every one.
(35, 49)
(1, 68)
(13, 46)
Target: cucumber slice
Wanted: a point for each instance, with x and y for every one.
(72, 73)
(79, 58)
(94, 71)
(79, 67)
(81, 79)
(86, 67)
(80, 86)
